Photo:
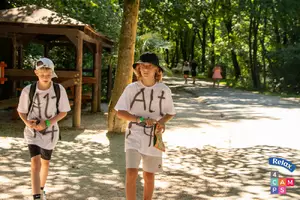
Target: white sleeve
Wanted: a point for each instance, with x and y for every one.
(63, 104)
(124, 101)
(24, 101)
(169, 107)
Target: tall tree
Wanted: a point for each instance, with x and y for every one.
(125, 61)
(255, 12)
(229, 10)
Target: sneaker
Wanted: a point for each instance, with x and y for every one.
(43, 195)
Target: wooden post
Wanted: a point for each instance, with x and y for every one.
(20, 63)
(14, 61)
(78, 88)
(20, 57)
(46, 50)
(99, 50)
(96, 67)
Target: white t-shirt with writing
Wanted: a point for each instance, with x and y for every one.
(43, 107)
(149, 102)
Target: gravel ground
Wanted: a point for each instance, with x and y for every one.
(218, 147)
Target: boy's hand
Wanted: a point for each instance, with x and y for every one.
(41, 126)
(31, 123)
(150, 122)
(160, 127)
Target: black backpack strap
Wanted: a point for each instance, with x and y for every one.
(57, 94)
(31, 95)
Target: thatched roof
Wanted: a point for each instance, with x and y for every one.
(33, 14)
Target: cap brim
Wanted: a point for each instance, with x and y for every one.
(135, 64)
(141, 62)
(54, 75)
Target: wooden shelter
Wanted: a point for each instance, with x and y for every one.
(29, 24)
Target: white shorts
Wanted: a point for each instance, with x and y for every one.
(151, 164)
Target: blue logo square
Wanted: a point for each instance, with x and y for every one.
(274, 190)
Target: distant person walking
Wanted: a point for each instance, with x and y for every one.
(186, 71)
(217, 76)
(194, 70)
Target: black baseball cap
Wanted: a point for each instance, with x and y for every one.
(148, 57)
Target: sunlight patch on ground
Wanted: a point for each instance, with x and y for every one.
(93, 136)
(193, 138)
(4, 180)
(6, 142)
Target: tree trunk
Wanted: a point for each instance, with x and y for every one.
(212, 51)
(237, 69)
(183, 44)
(212, 39)
(177, 50)
(262, 41)
(203, 45)
(193, 44)
(228, 24)
(250, 49)
(276, 28)
(125, 61)
(256, 79)
(253, 32)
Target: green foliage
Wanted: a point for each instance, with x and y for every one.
(285, 72)
(275, 23)
(177, 29)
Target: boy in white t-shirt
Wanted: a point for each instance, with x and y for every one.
(145, 103)
(40, 115)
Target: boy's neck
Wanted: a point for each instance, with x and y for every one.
(148, 83)
(42, 86)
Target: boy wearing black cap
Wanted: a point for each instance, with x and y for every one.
(147, 104)
(40, 115)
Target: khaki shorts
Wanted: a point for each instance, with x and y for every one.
(151, 164)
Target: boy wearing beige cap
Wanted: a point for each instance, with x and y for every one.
(41, 106)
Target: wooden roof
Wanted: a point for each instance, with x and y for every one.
(34, 16)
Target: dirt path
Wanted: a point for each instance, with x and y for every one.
(218, 148)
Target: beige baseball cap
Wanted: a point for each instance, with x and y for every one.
(48, 64)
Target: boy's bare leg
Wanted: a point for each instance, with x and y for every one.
(44, 172)
(149, 185)
(35, 174)
(131, 176)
